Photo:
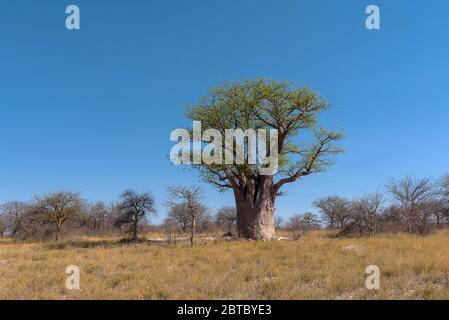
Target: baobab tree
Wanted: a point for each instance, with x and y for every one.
(268, 105)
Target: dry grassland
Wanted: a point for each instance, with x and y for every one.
(314, 267)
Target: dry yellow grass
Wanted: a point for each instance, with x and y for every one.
(314, 267)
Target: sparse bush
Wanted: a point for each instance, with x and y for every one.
(299, 224)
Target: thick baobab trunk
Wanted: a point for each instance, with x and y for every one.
(255, 222)
(254, 202)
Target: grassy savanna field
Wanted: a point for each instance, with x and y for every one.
(314, 267)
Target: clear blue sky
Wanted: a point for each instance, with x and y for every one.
(92, 110)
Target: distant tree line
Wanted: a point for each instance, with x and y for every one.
(55, 215)
(411, 205)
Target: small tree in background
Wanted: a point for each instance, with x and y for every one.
(98, 214)
(414, 199)
(443, 194)
(134, 208)
(3, 225)
(180, 216)
(13, 214)
(366, 211)
(227, 216)
(206, 221)
(298, 224)
(334, 209)
(187, 199)
(169, 228)
(310, 221)
(294, 225)
(55, 210)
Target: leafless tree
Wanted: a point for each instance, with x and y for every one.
(443, 198)
(310, 221)
(56, 209)
(113, 214)
(180, 215)
(335, 210)
(3, 225)
(98, 214)
(424, 215)
(298, 224)
(134, 208)
(227, 216)
(365, 212)
(205, 221)
(294, 225)
(188, 198)
(440, 212)
(414, 198)
(169, 228)
(391, 219)
(444, 187)
(13, 214)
